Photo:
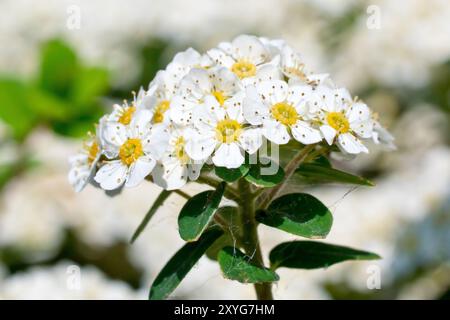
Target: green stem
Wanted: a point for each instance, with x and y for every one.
(250, 237)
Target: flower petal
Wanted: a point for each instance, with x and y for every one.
(229, 156)
(358, 112)
(275, 131)
(111, 175)
(351, 144)
(139, 170)
(156, 143)
(200, 146)
(328, 133)
(251, 140)
(249, 48)
(305, 134)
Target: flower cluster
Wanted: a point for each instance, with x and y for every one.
(217, 107)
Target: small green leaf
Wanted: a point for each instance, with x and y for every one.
(14, 107)
(265, 175)
(48, 106)
(298, 213)
(89, 85)
(158, 202)
(319, 173)
(198, 212)
(232, 175)
(59, 66)
(181, 263)
(235, 265)
(313, 255)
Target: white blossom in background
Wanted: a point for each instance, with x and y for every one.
(51, 283)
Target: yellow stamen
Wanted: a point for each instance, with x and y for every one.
(285, 113)
(297, 72)
(228, 131)
(93, 151)
(243, 69)
(338, 121)
(179, 150)
(130, 151)
(160, 109)
(127, 115)
(220, 97)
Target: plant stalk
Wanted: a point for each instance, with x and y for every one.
(250, 237)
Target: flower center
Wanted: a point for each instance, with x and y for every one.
(220, 97)
(243, 69)
(338, 121)
(228, 131)
(130, 151)
(285, 113)
(92, 152)
(126, 115)
(160, 109)
(179, 150)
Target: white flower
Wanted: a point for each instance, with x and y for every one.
(381, 136)
(293, 67)
(175, 167)
(181, 64)
(134, 150)
(84, 164)
(218, 83)
(343, 118)
(161, 92)
(124, 113)
(222, 132)
(280, 108)
(248, 58)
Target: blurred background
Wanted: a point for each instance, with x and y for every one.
(63, 64)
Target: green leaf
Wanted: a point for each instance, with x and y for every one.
(90, 84)
(313, 255)
(298, 213)
(230, 215)
(235, 265)
(224, 241)
(158, 203)
(232, 175)
(265, 175)
(14, 108)
(181, 263)
(198, 212)
(319, 173)
(47, 106)
(59, 65)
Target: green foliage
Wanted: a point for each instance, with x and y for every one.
(198, 212)
(156, 205)
(232, 175)
(258, 174)
(323, 172)
(235, 265)
(181, 263)
(14, 107)
(298, 213)
(64, 95)
(313, 255)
